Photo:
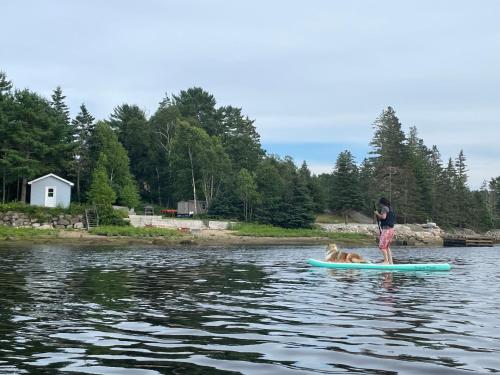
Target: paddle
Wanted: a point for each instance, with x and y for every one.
(375, 217)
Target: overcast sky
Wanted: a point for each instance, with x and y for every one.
(313, 74)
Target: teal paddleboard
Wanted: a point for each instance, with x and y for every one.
(388, 267)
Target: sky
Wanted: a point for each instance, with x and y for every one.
(314, 75)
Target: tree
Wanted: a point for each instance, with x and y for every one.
(5, 85)
(388, 140)
(198, 105)
(83, 127)
(36, 139)
(59, 105)
(101, 193)
(135, 134)
(247, 191)
(240, 139)
(346, 195)
(461, 189)
(115, 161)
(199, 159)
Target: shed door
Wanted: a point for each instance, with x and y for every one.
(50, 196)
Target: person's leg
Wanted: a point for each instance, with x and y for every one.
(389, 255)
(383, 245)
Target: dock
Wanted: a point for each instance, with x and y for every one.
(467, 241)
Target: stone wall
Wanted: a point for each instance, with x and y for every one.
(191, 224)
(21, 220)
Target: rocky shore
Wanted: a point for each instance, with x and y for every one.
(410, 234)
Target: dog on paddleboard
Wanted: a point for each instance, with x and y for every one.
(334, 255)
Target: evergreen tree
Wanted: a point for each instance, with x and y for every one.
(345, 190)
(135, 134)
(461, 190)
(198, 105)
(59, 105)
(5, 85)
(101, 193)
(240, 139)
(115, 161)
(83, 127)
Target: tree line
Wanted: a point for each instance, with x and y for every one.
(192, 149)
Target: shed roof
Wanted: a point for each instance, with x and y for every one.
(51, 175)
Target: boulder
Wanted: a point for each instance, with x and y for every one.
(78, 225)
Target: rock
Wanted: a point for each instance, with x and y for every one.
(35, 225)
(60, 226)
(45, 226)
(78, 225)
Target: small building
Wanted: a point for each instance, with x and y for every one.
(50, 191)
(187, 208)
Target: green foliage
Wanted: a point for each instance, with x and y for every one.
(246, 188)
(101, 193)
(346, 195)
(112, 231)
(129, 195)
(192, 149)
(109, 216)
(26, 233)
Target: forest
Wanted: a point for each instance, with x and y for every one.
(192, 149)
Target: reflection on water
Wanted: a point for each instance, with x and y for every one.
(244, 310)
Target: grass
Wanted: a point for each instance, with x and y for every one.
(260, 230)
(112, 231)
(26, 233)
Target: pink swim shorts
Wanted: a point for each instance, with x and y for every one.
(386, 238)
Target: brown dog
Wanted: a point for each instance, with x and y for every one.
(334, 255)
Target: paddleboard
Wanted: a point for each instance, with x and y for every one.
(388, 267)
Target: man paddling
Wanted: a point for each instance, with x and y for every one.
(387, 220)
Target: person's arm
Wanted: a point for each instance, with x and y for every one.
(383, 215)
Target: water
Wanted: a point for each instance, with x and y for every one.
(147, 310)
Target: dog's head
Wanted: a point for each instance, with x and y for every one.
(331, 252)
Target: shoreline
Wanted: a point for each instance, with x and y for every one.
(206, 238)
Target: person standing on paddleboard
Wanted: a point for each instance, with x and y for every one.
(387, 220)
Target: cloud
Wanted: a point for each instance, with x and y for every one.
(307, 73)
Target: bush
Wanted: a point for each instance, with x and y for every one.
(109, 216)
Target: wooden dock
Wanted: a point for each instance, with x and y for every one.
(468, 241)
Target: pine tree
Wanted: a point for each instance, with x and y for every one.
(83, 127)
(461, 189)
(59, 105)
(5, 85)
(345, 190)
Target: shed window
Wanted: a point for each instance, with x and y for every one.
(50, 192)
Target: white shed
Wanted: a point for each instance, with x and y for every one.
(50, 191)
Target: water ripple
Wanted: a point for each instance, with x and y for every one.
(244, 310)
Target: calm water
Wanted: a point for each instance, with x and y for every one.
(244, 310)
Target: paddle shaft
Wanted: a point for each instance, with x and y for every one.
(375, 217)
